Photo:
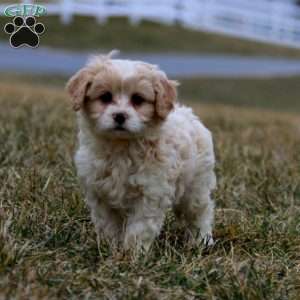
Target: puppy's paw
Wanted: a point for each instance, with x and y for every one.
(208, 240)
(136, 245)
(196, 238)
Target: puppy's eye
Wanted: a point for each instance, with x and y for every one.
(137, 100)
(106, 97)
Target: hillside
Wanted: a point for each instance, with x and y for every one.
(86, 34)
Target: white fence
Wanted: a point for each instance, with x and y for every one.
(262, 20)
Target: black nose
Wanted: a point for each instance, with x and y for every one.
(119, 118)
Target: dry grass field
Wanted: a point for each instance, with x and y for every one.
(48, 249)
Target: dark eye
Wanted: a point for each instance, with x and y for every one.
(136, 99)
(106, 97)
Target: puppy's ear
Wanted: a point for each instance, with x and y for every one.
(77, 87)
(166, 95)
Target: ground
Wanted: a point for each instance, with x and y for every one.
(48, 248)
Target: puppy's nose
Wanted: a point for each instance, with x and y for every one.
(119, 118)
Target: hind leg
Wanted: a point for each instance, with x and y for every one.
(197, 209)
(199, 217)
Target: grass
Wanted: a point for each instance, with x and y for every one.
(85, 33)
(278, 94)
(48, 248)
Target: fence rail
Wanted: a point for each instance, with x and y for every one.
(262, 20)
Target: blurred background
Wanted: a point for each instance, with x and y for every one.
(238, 62)
(233, 52)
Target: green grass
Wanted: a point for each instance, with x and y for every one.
(85, 33)
(279, 94)
(48, 248)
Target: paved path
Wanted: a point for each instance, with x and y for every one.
(50, 61)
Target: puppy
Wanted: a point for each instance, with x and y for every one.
(140, 153)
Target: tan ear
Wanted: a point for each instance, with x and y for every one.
(166, 95)
(77, 87)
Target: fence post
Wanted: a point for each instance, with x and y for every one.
(278, 17)
(179, 8)
(133, 16)
(101, 11)
(207, 12)
(66, 12)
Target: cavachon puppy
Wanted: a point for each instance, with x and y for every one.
(140, 153)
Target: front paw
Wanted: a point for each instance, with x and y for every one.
(138, 237)
(196, 238)
(137, 243)
(208, 240)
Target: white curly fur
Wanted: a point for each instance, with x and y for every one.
(130, 183)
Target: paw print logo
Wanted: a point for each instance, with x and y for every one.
(24, 32)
